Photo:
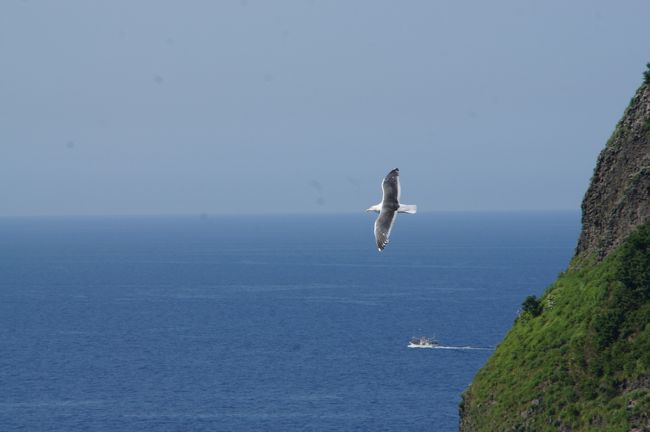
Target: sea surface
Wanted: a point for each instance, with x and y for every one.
(278, 323)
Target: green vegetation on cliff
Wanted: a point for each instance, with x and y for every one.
(583, 362)
(578, 358)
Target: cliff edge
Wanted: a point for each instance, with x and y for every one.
(578, 358)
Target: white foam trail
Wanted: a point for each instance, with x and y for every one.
(467, 347)
(462, 348)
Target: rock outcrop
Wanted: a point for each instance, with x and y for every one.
(618, 199)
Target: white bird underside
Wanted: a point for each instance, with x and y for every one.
(388, 208)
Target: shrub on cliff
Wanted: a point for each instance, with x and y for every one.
(635, 264)
(532, 305)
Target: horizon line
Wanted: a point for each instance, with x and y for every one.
(203, 215)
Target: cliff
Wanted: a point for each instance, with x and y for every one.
(579, 358)
(618, 198)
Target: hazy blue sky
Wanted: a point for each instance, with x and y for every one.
(147, 107)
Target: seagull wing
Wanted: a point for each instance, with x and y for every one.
(383, 225)
(391, 189)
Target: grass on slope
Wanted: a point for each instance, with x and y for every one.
(584, 362)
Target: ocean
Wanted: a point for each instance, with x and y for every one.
(260, 323)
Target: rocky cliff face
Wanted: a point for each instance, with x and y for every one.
(618, 199)
(583, 362)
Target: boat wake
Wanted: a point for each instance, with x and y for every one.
(466, 347)
(448, 347)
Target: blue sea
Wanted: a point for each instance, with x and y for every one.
(251, 323)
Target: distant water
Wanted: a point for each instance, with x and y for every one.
(259, 324)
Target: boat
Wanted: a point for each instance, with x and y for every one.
(423, 342)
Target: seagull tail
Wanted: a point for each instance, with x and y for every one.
(407, 208)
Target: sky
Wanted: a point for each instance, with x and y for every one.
(256, 106)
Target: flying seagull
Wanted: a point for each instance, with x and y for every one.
(388, 208)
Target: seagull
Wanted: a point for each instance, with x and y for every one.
(388, 208)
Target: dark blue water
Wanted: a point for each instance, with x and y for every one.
(259, 324)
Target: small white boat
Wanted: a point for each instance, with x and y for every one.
(423, 342)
